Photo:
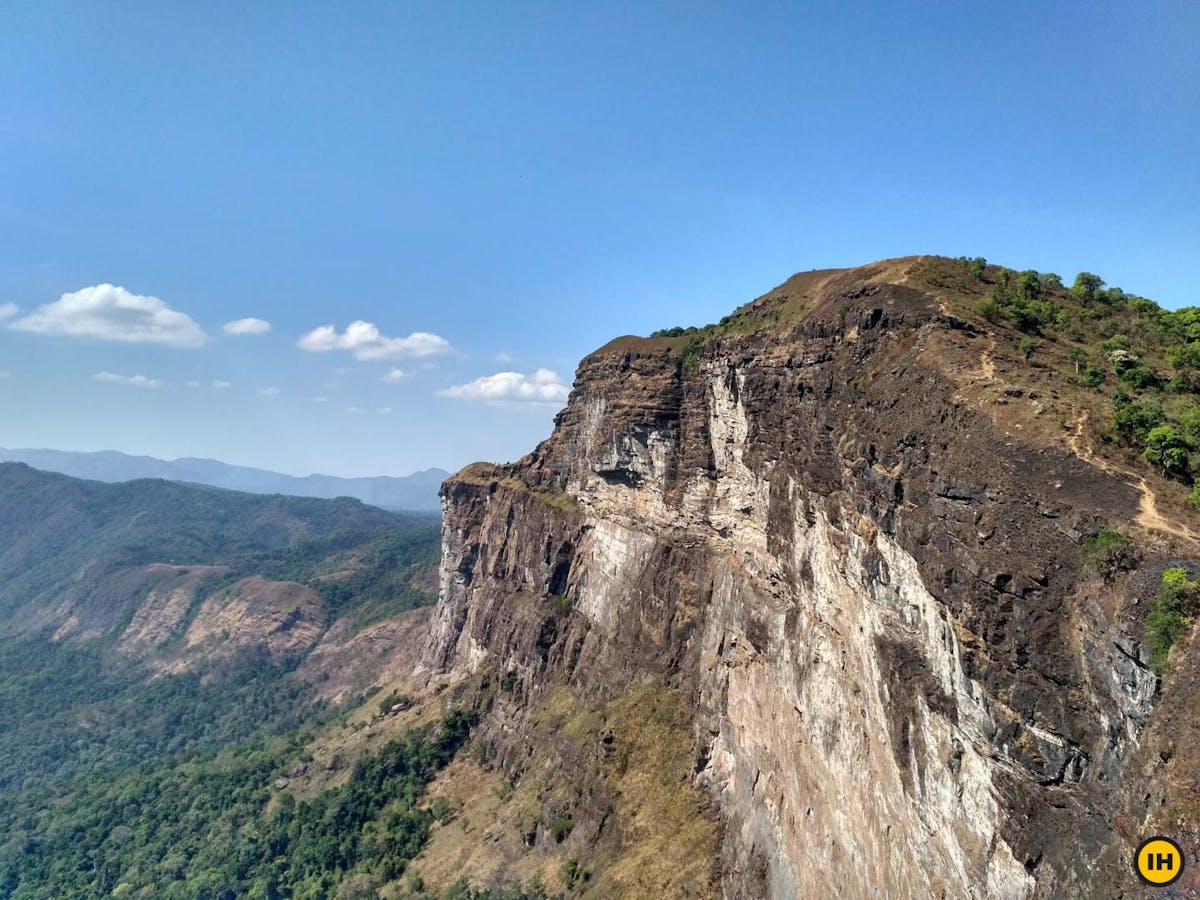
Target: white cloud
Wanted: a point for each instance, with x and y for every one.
(355, 410)
(543, 386)
(267, 391)
(220, 385)
(384, 410)
(138, 381)
(394, 376)
(365, 341)
(7, 311)
(320, 399)
(246, 326)
(193, 384)
(111, 313)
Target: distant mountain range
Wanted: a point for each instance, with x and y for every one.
(418, 491)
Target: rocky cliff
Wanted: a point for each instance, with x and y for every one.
(797, 608)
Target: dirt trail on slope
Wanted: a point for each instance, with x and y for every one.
(1148, 516)
(987, 361)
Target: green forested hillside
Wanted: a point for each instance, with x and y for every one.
(121, 775)
(57, 531)
(199, 827)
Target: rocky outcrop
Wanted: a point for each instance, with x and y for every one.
(178, 627)
(159, 616)
(868, 594)
(280, 619)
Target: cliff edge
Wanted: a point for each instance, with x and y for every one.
(816, 602)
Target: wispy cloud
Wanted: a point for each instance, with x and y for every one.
(355, 410)
(137, 381)
(111, 313)
(246, 326)
(192, 384)
(267, 391)
(220, 385)
(7, 311)
(365, 341)
(394, 376)
(384, 410)
(543, 386)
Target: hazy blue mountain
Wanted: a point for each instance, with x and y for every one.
(418, 491)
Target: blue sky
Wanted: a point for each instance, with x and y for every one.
(523, 182)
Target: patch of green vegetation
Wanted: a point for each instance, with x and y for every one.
(562, 827)
(1167, 450)
(552, 497)
(699, 336)
(1154, 353)
(574, 876)
(561, 605)
(691, 353)
(1134, 420)
(197, 828)
(1171, 609)
(976, 266)
(1018, 298)
(1108, 553)
(990, 310)
(1028, 347)
(381, 572)
(69, 713)
(680, 331)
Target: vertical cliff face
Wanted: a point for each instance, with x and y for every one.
(851, 549)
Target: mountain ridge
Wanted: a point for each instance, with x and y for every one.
(417, 491)
(880, 546)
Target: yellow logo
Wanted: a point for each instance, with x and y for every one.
(1158, 861)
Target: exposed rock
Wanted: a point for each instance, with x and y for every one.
(901, 683)
(158, 617)
(277, 618)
